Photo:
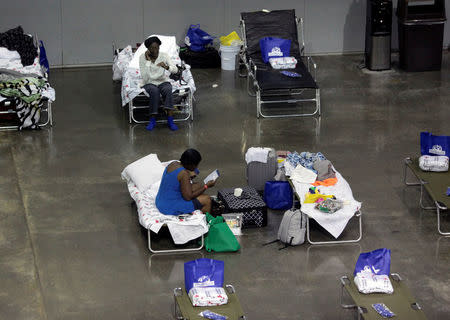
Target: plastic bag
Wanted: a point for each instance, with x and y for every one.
(283, 63)
(434, 145)
(231, 40)
(274, 48)
(278, 195)
(203, 272)
(377, 261)
(209, 296)
(197, 39)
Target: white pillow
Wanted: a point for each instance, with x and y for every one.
(144, 172)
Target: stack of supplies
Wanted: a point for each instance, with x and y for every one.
(372, 272)
(203, 279)
(283, 63)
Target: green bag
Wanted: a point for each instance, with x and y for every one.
(220, 238)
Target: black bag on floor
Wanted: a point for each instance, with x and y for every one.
(206, 59)
(249, 203)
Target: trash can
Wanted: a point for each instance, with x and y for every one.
(421, 34)
(228, 56)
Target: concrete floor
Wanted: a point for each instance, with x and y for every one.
(71, 246)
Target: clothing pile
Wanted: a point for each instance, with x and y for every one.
(23, 82)
(308, 167)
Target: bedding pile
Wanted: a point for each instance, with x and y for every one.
(22, 78)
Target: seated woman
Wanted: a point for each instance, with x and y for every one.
(177, 194)
(154, 66)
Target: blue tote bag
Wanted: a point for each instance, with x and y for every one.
(278, 195)
(434, 145)
(197, 39)
(274, 48)
(377, 261)
(203, 273)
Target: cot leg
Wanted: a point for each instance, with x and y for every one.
(130, 111)
(406, 162)
(319, 112)
(308, 233)
(173, 250)
(422, 194)
(258, 104)
(343, 305)
(177, 312)
(438, 212)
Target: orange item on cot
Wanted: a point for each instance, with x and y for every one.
(327, 182)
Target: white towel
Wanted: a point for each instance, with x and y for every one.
(257, 154)
(303, 175)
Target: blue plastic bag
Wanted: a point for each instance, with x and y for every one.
(377, 261)
(278, 195)
(43, 57)
(197, 39)
(203, 273)
(274, 48)
(434, 145)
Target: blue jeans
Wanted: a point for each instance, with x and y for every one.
(165, 90)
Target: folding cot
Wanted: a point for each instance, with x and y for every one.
(435, 183)
(334, 223)
(185, 311)
(9, 106)
(126, 68)
(143, 178)
(401, 302)
(270, 86)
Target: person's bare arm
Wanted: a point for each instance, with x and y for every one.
(188, 190)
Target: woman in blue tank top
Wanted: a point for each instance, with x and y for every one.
(177, 194)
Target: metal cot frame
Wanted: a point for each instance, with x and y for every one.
(422, 184)
(173, 250)
(48, 109)
(251, 73)
(362, 313)
(187, 102)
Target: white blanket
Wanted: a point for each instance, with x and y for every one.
(182, 230)
(334, 223)
(10, 60)
(132, 80)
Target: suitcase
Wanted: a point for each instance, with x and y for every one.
(250, 204)
(258, 173)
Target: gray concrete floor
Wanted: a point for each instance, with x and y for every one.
(71, 246)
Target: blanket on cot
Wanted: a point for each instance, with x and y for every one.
(182, 228)
(334, 223)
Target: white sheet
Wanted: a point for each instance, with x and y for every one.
(131, 81)
(334, 223)
(182, 231)
(10, 60)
